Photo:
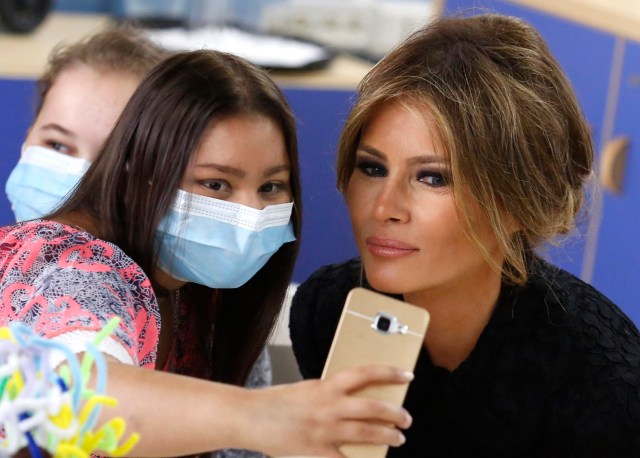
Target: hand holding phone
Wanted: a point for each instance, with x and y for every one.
(376, 329)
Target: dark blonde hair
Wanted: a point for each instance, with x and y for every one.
(515, 135)
(121, 49)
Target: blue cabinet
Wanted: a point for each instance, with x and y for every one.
(326, 229)
(616, 270)
(17, 103)
(605, 251)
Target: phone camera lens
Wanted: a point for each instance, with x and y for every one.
(383, 324)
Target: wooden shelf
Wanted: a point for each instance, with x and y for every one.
(25, 56)
(619, 17)
(343, 72)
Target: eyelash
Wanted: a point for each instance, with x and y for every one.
(277, 186)
(376, 170)
(442, 178)
(367, 167)
(59, 147)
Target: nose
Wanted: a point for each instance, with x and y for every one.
(248, 199)
(391, 203)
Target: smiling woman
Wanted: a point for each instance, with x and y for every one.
(405, 219)
(465, 150)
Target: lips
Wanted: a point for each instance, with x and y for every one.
(389, 248)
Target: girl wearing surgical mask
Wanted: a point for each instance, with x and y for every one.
(80, 95)
(186, 227)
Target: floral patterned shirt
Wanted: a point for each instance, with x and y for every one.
(66, 285)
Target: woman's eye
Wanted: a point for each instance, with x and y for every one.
(272, 187)
(371, 169)
(217, 185)
(433, 179)
(59, 147)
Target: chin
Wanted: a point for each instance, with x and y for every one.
(389, 284)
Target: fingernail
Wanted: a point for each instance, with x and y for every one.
(408, 376)
(408, 420)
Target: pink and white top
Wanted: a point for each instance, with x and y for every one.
(66, 285)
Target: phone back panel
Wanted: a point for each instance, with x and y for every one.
(357, 343)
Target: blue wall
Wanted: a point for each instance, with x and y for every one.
(17, 99)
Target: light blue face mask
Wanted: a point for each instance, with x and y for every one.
(217, 243)
(41, 180)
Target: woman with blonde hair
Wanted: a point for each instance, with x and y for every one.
(464, 152)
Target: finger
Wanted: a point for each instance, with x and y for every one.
(356, 378)
(356, 408)
(363, 432)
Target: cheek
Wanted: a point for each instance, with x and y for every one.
(354, 198)
(462, 237)
(90, 153)
(438, 223)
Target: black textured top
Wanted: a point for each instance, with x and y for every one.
(556, 371)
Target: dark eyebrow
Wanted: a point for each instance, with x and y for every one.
(223, 168)
(277, 169)
(57, 127)
(241, 173)
(416, 160)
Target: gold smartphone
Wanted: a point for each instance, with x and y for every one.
(376, 329)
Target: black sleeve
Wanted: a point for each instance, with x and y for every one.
(315, 312)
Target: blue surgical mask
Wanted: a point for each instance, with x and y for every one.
(41, 180)
(217, 243)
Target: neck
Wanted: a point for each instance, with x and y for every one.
(459, 315)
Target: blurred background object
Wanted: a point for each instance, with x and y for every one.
(23, 16)
(369, 28)
(366, 28)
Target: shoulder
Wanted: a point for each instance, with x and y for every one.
(50, 237)
(336, 276)
(58, 279)
(40, 248)
(579, 305)
(327, 288)
(604, 343)
(31, 231)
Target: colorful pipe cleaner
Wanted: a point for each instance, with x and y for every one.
(55, 411)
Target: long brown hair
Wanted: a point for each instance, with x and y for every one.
(507, 116)
(134, 181)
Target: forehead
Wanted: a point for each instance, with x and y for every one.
(243, 141)
(403, 124)
(81, 97)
